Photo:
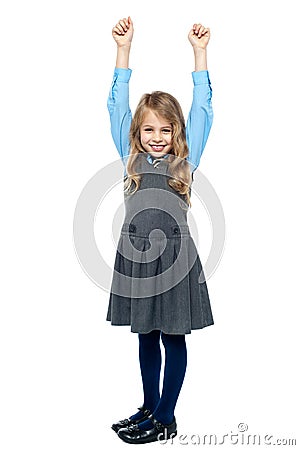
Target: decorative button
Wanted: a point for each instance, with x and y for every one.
(175, 230)
(132, 228)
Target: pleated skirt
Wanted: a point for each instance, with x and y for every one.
(158, 281)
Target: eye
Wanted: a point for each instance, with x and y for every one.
(148, 129)
(166, 130)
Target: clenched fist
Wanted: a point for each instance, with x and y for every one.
(199, 36)
(123, 32)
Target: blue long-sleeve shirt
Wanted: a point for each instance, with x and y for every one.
(198, 124)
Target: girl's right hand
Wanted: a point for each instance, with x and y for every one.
(199, 36)
(123, 32)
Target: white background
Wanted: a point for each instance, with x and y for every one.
(66, 374)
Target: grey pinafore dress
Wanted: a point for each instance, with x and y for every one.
(157, 282)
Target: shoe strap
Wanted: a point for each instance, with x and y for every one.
(158, 425)
(145, 411)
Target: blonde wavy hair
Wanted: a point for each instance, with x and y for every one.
(167, 107)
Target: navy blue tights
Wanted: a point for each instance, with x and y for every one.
(162, 406)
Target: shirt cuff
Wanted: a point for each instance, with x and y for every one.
(122, 74)
(201, 77)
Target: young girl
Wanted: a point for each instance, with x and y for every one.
(158, 287)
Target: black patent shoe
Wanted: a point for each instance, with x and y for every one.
(160, 432)
(127, 422)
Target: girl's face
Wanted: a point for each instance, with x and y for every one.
(156, 134)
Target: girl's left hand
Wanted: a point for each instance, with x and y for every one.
(199, 36)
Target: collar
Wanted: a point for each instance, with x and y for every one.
(151, 159)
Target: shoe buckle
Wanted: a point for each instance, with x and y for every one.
(124, 422)
(159, 426)
(132, 427)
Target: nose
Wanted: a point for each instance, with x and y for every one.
(157, 136)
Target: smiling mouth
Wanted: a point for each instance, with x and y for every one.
(157, 148)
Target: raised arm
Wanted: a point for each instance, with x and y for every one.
(118, 99)
(123, 34)
(201, 114)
